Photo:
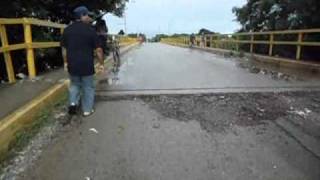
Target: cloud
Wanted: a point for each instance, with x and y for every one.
(168, 16)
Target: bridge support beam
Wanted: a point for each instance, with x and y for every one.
(30, 51)
(300, 39)
(251, 43)
(271, 44)
(7, 55)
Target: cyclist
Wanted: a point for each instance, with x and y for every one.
(102, 31)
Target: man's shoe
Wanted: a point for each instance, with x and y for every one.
(72, 110)
(86, 114)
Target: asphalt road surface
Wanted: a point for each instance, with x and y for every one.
(249, 136)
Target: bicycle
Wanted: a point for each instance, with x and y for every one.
(115, 49)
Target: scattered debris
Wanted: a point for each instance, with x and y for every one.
(36, 79)
(93, 130)
(308, 111)
(60, 115)
(252, 68)
(22, 76)
(62, 80)
(49, 80)
(301, 113)
(30, 154)
(156, 126)
(120, 129)
(260, 109)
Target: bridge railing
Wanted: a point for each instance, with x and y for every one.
(126, 40)
(27, 45)
(252, 39)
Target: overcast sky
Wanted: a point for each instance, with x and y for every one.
(176, 16)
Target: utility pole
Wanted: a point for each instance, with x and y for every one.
(125, 22)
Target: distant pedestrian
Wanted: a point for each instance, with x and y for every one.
(192, 40)
(79, 42)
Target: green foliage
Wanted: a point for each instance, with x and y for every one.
(158, 37)
(121, 32)
(54, 10)
(58, 10)
(23, 137)
(135, 35)
(270, 15)
(266, 15)
(205, 31)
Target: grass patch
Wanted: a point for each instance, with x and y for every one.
(23, 137)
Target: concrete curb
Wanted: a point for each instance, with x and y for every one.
(24, 116)
(276, 61)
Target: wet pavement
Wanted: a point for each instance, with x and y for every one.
(159, 66)
(188, 137)
(224, 136)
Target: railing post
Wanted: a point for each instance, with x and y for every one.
(7, 55)
(61, 30)
(30, 52)
(205, 41)
(271, 44)
(300, 38)
(237, 43)
(217, 44)
(62, 53)
(251, 43)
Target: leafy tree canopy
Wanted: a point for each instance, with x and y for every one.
(264, 15)
(121, 32)
(57, 10)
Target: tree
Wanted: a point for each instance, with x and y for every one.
(158, 37)
(270, 15)
(57, 10)
(205, 31)
(263, 15)
(121, 32)
(54, 10)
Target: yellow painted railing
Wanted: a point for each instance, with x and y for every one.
(126, 40)
(28, 44)
(217, 40)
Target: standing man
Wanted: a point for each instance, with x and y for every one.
(79, 42)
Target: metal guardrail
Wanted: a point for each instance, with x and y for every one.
(217, 40)
(29, 45)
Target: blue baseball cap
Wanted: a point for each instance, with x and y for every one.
(81, 11)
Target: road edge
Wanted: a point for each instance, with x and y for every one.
(23, 117)
(277, 61)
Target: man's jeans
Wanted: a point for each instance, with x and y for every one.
(82, 87)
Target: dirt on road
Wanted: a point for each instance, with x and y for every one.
(214, 136)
